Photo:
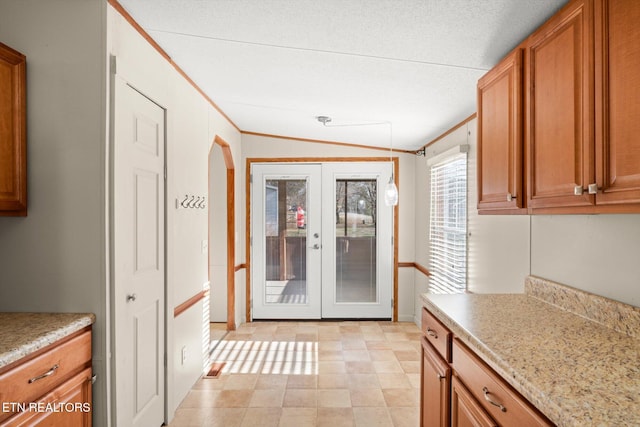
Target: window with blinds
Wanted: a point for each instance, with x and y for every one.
(448, 225)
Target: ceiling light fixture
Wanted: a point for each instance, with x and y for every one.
(323, 119)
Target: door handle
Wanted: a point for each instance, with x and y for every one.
(316, 246)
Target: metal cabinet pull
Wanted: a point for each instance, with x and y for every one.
(511, 197)
(488, 399)
(432, 333)
(440, 377)
(131, 297)
(45, 375)
(591, 189)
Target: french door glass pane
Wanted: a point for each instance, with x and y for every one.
(285, 222)
(355, 234)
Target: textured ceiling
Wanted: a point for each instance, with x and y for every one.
(273, 65)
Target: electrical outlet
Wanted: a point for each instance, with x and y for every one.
(184, 354)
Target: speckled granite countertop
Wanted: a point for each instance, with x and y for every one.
(24, 333)
(573, 355)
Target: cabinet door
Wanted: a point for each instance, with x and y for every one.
(559, 75)
(618, 101)
(13, 140)
(465, 410)
(68, 405)
(435, 381)
(500, 136)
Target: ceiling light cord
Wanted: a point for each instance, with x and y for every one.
(390, 190)
(323, 51)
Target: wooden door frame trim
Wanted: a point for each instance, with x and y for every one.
(396, 210)
(231, 227)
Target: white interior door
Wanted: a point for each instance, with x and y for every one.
(138, 258)
(357, 259)
(286, 241)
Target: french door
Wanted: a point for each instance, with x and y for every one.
(321, 241)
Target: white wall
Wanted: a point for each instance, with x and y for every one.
(596, 253)
(192, 124)
(260, 147)
(54, 259)
(498, 246)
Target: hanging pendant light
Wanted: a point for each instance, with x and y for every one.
(391, 193)
(390, 190)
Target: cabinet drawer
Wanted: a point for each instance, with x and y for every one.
(69, 404)
(31, 380)
(502, 403)
(437, 334)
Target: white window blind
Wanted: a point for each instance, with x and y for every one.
(448, 225)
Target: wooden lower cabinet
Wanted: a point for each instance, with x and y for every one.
(68, 405)
(465, 409)
(52, 387)
(499, 399)
(435, 384)
(462, 390)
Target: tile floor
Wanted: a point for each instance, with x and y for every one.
(311, 374)
(217, 332)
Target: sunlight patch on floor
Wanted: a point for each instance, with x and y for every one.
(268, 357)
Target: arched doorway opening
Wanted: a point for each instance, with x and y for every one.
(222, 233)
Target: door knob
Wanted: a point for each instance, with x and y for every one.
(131, 297)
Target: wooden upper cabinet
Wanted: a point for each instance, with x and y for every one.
(559, 76)
(13, 139)
(618, 101)
(500, 143)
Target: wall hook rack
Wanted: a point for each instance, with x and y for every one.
(191, 201)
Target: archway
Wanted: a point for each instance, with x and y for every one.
(222, 233)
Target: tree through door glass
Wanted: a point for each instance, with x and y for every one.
(355, 234)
